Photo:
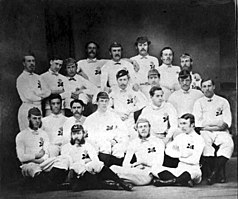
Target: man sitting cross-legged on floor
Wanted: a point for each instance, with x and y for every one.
(86, 170)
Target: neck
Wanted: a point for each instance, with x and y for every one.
(77, 117)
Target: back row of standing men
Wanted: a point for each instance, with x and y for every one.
(134, 84)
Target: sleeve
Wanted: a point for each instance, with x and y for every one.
(156, 63)
(20, 149)
(227, 113)
(92, 153)
(131, 70)
(141, 100)
(172, 148)
(129, 154)
(197, 112)
(25, 91)
(45, 91)
(104, 77)
(159, 154)
(91, 89)
(173, 117)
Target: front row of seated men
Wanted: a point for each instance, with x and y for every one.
(81, 150)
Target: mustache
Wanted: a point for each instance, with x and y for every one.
(142, 49)
(123, 84)
(76, 112)
(117, 55)
(91, 52)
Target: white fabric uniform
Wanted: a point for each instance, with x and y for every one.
(92, 68)
(55, 82)
(31, 89)
(82, 158)
(188, 148)
(212, 112)
(161, 118)
(79, 83)
(127, 101)
(68, 125)
(183, 101)
(146, 63)
(102, 128)
(110, 69)
(53, 126)
(169, 76)
(150, 152)
(146, 89)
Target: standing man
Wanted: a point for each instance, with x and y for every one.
(168, 72)
(91, 66)
(188, 147)
(55, 81)
(186, 62)
(161, 115)
(125, 101)
(31, 89)
(183, 99)
(53, 125)
(145, 61)
(213, 115)
(107, 132)
(78, 87)
(110, 69)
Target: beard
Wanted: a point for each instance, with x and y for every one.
(80, 142)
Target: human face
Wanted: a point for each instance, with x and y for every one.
(77, 136)
(185, 83)
(167, 56)
(143, 48)
(77, 109)
(35, 122)
(71, 70)
(186, 63)
(102, 104)
(153, 80)
(143, 129)
(91, 51)
(158, 98)
(185, 126)
(55, 65)
(29, 63)
(123, 82)
(116, 53)
(208, 88)
(55, 105)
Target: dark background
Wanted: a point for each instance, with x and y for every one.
(206, 29)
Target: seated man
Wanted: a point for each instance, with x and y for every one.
(149, 154)
(107, 133)
(32, 151)
(125, 101)
(188, 147)
(86, 170)
(53, 125)
(161, 115)
(213, 116)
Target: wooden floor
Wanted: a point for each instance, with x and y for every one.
(201, 191)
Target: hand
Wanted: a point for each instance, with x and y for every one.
(124, 116)
(136, 87)
(40, 154)
(197, 77)
(113, 142)
(136, 66)
(74, 95)
(152, 65)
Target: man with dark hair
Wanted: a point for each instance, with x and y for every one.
(183, 99)
(145, 61)
(78, 88)
(110, 69)
(107, 132)
(86, 170)
(31, 89)
(125, 101)
(148, 152)
(213, 115)
(168, 72)
(90, 68)
(55, 81)
(161, 115)
(186, 62)
(188, 147)
(53, 125)
(77, 108)
(32, 151)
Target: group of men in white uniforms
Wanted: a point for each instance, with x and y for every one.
(162, 95)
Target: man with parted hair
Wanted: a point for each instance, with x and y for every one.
(31, 88)
(188, 147)
(186, 62)
(144, 154)
(213, 116)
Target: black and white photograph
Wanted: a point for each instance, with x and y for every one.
(118, 99)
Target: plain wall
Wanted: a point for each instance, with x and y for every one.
(207, 32)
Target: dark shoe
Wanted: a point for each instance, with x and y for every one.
(212, 178)
(190, 183)
(222, 180)
(126, 186)
(111, 185)
(158, 182)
